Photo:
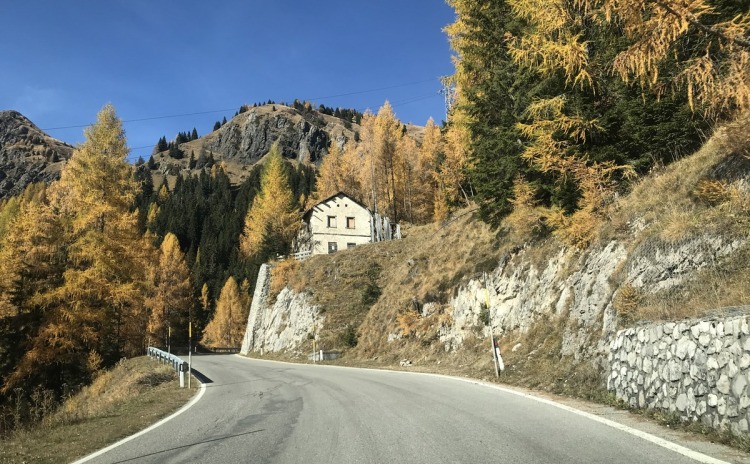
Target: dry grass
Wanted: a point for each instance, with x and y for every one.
(281, 274)
(368, 287)
(727, 284)
(121, 401)
(700, 193)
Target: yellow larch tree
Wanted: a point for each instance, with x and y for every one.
(273, 218)
(450, 175)
(366, 154)
(718, 77)
(227, 327)
(426, 173)
(171, 300)
(94, 314)
(329, 179)
(387, 161)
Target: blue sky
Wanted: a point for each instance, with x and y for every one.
(60, 62)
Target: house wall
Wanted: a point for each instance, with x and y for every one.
(339, 207)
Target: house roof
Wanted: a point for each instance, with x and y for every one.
(309, 211)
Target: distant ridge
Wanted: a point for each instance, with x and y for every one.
(27, 154)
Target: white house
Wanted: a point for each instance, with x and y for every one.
(341, 222)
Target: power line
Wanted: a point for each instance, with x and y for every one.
(195, 113)
(144, 119)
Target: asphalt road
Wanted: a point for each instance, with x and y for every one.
(267, 412)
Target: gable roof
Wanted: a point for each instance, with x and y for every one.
(307, 213)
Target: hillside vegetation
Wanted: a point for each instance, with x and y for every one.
(389, 301)
(119, 402)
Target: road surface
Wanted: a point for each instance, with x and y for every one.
(267, 412)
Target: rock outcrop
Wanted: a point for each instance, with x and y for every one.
(246, 138)
(27, 154)
(282, 325)
(579, 285)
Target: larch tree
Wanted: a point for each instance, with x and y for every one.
(272, 220)
(171, 299)
(106, 277)
(366, 153)
(387, 161)
(339, 172)
(430, 156)
(227, 327)
(716, 74)
(331, 174)
(93, 313)
(407, 178)
(33, 258)
(351, 165)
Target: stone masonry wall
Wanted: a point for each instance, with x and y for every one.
(698, 369)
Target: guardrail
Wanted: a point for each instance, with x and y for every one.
(221, 349)
(177, 363)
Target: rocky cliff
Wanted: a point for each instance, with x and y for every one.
(246, 138)
(27, 154)
(281, 325)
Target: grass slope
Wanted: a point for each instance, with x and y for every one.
(120, 402)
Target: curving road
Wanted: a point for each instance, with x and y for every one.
(261, 411)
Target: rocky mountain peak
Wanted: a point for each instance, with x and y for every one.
(27, 154)
(246, 138)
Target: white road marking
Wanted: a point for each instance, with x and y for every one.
(195, 399)
(695, 455)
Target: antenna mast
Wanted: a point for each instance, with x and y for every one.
(449, 93)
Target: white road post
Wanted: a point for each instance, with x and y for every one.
(314, 347)
(494, 349)
(190, 351)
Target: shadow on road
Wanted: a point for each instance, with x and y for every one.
(201, 378)
(189, 445)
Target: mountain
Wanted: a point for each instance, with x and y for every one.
(243, 141)
(27, 154)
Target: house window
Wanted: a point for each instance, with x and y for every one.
(332, 247)
(351, 245)
(332, 222)
(350, 223)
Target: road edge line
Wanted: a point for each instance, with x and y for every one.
(192, 402)
(664, 443)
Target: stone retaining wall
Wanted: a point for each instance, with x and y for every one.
(698, 369)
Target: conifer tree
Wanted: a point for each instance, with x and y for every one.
(171, 299)
(93, 313)
(227, 327)
(426, 172)
(387, 160)
(332, 175)
(33, 256)
(273, 219)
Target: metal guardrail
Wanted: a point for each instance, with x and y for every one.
(225, 350)
(176, 362)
